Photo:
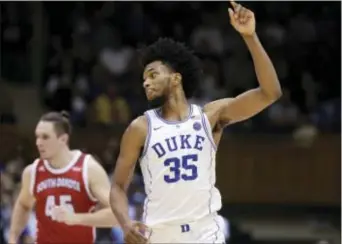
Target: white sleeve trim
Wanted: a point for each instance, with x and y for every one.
(86, 178)
(33, 176)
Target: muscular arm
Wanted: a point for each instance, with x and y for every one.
(99, 185)
(131, 144)
(22, 208)
(231, 110)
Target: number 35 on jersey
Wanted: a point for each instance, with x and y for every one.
(181, 167)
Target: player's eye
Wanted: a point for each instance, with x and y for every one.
(153, 75)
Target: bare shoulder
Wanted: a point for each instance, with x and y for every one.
(28, 170)
(213, 109)
(26, 175)
(139, 125)
(137, 130)
(26, 196)
(97, 175)
(93, 164)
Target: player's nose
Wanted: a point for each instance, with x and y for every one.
(146, 84)
(38, 143)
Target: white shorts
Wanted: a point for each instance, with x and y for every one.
(205, 230)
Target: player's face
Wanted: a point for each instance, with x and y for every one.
(47, 141)
(157, 78)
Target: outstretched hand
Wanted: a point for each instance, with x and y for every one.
(242, 19)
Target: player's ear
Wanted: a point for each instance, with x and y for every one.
(64, 138)
(176, 78)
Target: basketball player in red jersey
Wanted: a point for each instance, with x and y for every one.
(65, 186)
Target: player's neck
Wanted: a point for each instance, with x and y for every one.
(176, 107)
(62, 159)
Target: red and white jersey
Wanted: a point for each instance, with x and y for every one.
(67, 186)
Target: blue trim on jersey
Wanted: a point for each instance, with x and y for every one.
(207, 132)
(210, 182)
(148, 136)
(148, 192)
(211, 196)
(174, 122)
(146, 145)
(147, 196)
(218, 229)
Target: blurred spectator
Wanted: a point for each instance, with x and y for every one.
(55, 54)
(306, 132)
(110, 107)
(15, 36)
(275, 34)
(302, 29)
(80, 97)
(96, 48)
(2, 238)
(327, 116)
(209, 84)
(208, 89)
(110, 154)
(137, 25)
(207, 38)
(9, 192)
(284, 113)
(12, 167)
(116, 57)
(281, 66)
(311, 90)
(199, 98)
(7, 115)
(59, 86)
(238, 73)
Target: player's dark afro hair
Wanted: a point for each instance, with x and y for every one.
(179, 58)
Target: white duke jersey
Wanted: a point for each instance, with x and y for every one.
(178, 166)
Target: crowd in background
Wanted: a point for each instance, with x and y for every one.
(93, 64)
(91, 67)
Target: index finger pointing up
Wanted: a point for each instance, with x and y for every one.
(233, 3)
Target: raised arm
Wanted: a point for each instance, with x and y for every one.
(23, 206)
(230, 110)
(132, 143)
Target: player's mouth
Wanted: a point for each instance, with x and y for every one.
(149, 93)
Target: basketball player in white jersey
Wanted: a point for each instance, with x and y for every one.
(178, 141)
